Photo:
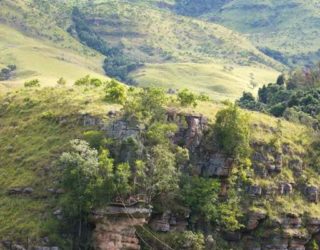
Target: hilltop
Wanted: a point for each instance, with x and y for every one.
(40, 48)
(287, 30)
(167, 45)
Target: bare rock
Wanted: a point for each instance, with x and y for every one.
(28, 190)
(217, 166)
(115, 227)
(255, 190)
(232, 236)
(312, 193)
(15, 191)
(285, 189)
(255, 218)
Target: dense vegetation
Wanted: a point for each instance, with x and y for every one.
(116, 64)
(296, 99)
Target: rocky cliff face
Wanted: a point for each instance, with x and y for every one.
(279, 174)
(115, 227)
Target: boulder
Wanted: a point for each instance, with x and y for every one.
(28, 190)
(161, 223)
(285, 189)
(312, 193)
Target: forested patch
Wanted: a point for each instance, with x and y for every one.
(116, 63)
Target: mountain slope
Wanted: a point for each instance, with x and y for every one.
(288, 26)
(40, 48)
(35, 33)
(160, 39)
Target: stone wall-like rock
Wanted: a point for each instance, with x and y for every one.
(115, 227)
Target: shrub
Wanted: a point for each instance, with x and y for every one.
(95, 138)
(61, 81)
(201, 195)
(232, 131)
(116, 92)
(187, 98)
(32, 83)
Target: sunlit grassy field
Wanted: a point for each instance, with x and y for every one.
(216, 80)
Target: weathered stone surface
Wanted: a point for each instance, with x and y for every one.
(285, 189)
(28, 190)
(313, 225)
(115, 227)
(15, 191)
(168, 222)
(161, 222)
(121, 130)
(255, 218)
(19, 190)
(232, 236)
(217, 166)
(255, 190)
(312, 193)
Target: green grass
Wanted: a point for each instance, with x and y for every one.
(289, 26)
(211, 79)
(31, 142)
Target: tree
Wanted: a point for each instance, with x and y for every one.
(116, 92)
(281, 80)
(232, 131)
(187, 98)
(147, 105)
(201, 195)
(81, 177)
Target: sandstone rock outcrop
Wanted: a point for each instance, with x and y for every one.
(115, 227)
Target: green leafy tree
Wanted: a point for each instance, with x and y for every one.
(84, 81)
(163, 176)
(81, 178)
(232, 131)
(187, 98)
(147, 105)
(281, 80)
(201, 195)
(116, 92)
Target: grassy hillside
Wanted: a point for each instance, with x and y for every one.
(40, 48)
(216, 80)
(42, 121)
(33, 35)
(161, 39)
(288, 26)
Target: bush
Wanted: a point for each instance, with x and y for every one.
(232, 131)
(147, 105)
(187, 98)
(201, 195)
(95, 138)
(116, 92)
(32, 83)
(61, 82)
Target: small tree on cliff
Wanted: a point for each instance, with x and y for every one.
(232, 132)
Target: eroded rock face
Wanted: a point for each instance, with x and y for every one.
(116, 227)
(169, 222)
(218, 165)
(255, 218)
(312, 193)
